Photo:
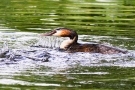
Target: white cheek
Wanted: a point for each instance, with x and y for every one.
(57, 33)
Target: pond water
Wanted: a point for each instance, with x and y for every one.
(26, 66)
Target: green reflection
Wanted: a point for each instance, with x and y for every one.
(94, 17)
(81, 78)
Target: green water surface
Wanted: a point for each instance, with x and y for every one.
(115, 18)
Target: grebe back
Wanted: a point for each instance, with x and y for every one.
(72, 45)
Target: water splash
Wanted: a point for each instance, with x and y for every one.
(50, 42)
(49, 56)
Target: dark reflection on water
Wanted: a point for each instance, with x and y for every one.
(109, 22)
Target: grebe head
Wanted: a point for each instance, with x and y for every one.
(64, 32)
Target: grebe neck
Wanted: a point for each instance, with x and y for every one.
(67, 43)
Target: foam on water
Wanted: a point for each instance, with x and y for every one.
(62, 60)
(28, 53)
(48, 55)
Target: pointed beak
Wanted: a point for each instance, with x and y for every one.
(48, 33)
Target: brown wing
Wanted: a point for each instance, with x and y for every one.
(109, 50)
(94, 48)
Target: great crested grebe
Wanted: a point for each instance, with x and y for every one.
(72, 45)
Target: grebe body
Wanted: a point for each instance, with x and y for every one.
(72, 45)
